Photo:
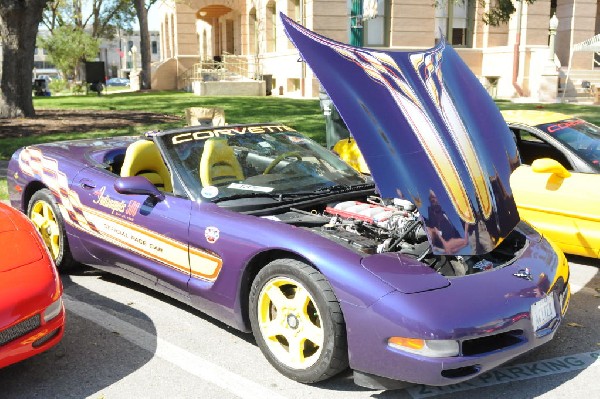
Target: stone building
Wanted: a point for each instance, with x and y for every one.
(115, 53)
(512, 60)
(118, 56)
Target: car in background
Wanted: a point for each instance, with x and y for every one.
(117, 82)
(556, 188)
(32, 314)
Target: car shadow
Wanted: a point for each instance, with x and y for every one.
(177, 304)
(88, 359)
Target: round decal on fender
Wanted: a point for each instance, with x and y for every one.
(212, 234)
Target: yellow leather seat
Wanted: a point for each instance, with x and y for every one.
(219, 164)
(143, 158)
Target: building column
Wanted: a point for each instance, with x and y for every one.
(577, 23)
(412, 24)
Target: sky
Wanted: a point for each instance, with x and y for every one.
(153, 21)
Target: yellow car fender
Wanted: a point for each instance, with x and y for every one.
(349, 152)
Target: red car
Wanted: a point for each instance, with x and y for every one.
(32, 314)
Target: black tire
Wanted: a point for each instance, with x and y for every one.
(47, 219)
(301, 327)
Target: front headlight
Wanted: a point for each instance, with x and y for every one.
(425, 347)
(53, 310)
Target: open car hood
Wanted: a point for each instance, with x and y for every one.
(429, 133)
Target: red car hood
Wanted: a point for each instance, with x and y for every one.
(17, 240)
(28, 279)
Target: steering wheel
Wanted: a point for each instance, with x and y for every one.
(593, 147)
(589, 150)
(279, 158)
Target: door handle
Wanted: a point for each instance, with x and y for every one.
(87, 184)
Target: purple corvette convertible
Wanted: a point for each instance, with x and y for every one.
(421, 273)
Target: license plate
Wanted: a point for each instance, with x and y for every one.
(542, 312)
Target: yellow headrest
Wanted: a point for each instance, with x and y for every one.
(143, 158)
(219, 164)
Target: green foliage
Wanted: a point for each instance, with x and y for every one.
(57, 85)
(68, 46)
(500, 11)
(102, 19)
(77, 88)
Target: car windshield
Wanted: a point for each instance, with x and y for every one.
(223, 163)
(582, 137)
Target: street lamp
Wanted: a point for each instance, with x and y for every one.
(551, 45)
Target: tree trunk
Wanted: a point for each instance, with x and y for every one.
(19, 20)
(142, 14)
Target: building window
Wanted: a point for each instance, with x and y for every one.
(154, 47)
(129, 45)
(376, 30)
(455, 21)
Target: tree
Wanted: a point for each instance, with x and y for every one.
(142, 14)
(141, 8)
(102, 20)
(500, 11)
(19, 20)
(68, 46)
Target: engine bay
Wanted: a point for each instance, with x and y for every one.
(374, 225)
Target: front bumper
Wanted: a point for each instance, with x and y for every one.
(488, 313)
(34, 342)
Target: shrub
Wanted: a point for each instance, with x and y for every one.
(57, 85)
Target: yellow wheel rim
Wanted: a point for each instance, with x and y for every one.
(290, 323)
(44, 219)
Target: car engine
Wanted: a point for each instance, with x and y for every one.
(375, 225)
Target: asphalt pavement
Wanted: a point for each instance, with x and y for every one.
(123, 341)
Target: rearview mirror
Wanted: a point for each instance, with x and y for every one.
(547, 165)
(138, 185)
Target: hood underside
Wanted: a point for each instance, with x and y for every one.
(429, 133)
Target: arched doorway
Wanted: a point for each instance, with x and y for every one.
(252, 31)
(219, 39)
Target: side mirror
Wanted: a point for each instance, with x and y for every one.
(138, 185)
(547, 165)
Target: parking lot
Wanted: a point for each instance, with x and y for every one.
(125, 341)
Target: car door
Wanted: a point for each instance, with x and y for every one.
(563, 205)
(145, 236)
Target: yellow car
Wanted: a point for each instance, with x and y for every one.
(557, 186)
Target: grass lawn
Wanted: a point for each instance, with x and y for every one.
(303, 115)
